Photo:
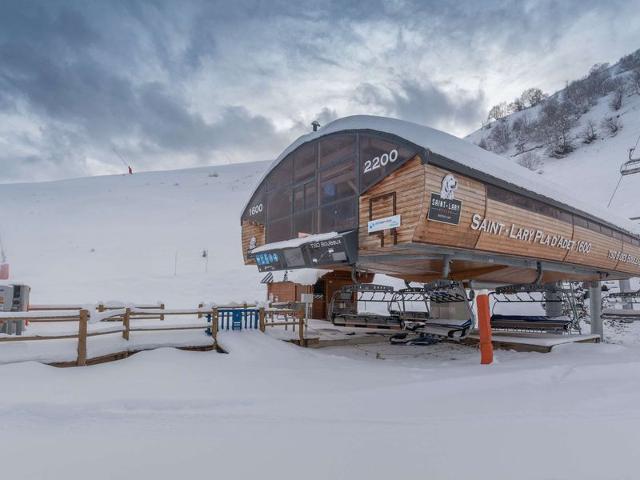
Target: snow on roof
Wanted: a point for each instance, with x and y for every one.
(464, 153)
(305, 276)
(295, 242)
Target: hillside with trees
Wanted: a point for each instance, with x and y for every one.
(580, 135)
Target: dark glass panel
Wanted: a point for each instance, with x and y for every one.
(304, 162)
(337, 183)
(580, 222)
(304, 222)
(278, 204)
(337, 148)
(304, 196)
(282, 175)
(339, 216)
(279, 230)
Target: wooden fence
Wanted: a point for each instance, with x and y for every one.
(124, 315)
(283, 317)
(266, 318)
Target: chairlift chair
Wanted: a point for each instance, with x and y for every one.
(632, 165)
(523, 294)
(424, 323)
(343, 308)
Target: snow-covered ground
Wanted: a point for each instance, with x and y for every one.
(273, 410)
(132, 238)
(270, 409)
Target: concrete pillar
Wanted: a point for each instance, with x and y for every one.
(553, 304)
(625, 286)
(595, 298)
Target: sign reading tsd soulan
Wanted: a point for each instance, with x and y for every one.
(444, 207)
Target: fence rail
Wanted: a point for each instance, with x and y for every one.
(83, 318)
(219, 317)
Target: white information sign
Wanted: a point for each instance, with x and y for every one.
(383, 223)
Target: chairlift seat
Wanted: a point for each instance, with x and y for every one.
(530, 322)
(445, 328)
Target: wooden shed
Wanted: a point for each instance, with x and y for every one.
(322, 286)
(379, 195)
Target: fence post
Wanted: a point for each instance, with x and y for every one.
(126, 323)
(101, 307)
(200, 305)
(162, 314)
(214, 325)
(262, 325)
(301, 328)
(82, 338)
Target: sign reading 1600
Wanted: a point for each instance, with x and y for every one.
(256, 209)
(381, 161)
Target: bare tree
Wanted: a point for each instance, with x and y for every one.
(500, 136)
(635, 81)
(532, 97)
(517, 105)
(554, 127)
(530, 160)
(616, 100)
(498, 111)
(612, 125)
(590, 132)
(522, 128)
(631, 61)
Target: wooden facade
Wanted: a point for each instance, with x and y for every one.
(447, 219)
(323, 290)
(510, 230)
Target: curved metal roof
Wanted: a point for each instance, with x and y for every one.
(466, 158)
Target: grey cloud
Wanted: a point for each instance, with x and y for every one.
(424, 103)
(91, 75)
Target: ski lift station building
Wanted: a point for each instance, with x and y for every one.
(380, 195)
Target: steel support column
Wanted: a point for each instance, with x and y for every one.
(595, 298)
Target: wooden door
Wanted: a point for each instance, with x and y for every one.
(382, 206)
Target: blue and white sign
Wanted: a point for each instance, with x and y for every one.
(383, 223)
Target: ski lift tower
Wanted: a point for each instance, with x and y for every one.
(630, 167)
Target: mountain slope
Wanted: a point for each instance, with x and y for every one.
(117, 237)
(591, 170)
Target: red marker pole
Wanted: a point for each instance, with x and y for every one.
(484, 327)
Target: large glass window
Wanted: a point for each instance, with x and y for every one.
(339, 216)
(337, 183)
(337, 149)
(282, 175)
(304, 163)
(304, 196)
(278, 204)
(279, 230)
(304, 223)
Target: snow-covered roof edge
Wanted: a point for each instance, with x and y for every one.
(461, 152)
(295, 242)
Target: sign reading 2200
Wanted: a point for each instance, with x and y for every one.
(381, 161)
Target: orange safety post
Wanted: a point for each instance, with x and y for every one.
(484, 327)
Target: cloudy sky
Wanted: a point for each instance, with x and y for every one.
(171, 84)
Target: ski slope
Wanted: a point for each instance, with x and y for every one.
(132, 238)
